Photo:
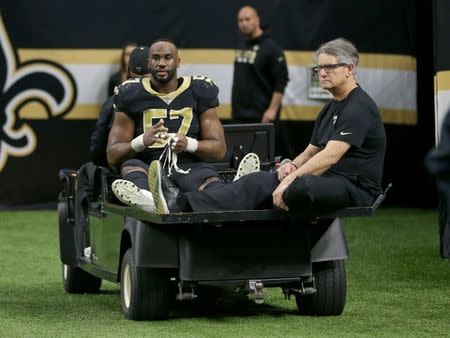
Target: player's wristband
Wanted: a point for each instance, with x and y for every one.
(137, 144)
(191, 145)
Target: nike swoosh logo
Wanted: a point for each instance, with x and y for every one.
(343, 133)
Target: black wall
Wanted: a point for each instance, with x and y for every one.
(376, 26)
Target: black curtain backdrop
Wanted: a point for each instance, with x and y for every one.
(378, 26)
(375, 26)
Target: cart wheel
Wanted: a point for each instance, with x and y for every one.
(144, 292)
(63, 213)
(76, 280)
(331, 286)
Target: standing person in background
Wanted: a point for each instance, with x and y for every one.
(260, 72)
(438, 164)
(137, 67)
(121, 75)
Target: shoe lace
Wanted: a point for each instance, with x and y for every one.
(171, 158)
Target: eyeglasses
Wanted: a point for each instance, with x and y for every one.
(328, 68)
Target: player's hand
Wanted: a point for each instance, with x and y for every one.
(151, 135)
(277, 195)
(178, 143)
(285, 170)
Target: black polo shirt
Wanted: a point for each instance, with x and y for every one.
(357, 121)
(259, 70)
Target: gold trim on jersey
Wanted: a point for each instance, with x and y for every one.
(167, 98)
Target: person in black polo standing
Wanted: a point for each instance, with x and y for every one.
(260, 73)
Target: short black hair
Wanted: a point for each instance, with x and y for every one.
(164, 40)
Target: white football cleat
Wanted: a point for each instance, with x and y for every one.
(249, 164)
(130, 194)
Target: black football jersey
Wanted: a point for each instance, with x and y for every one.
(179, 109)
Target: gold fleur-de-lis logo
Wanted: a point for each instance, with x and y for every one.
(40, 82)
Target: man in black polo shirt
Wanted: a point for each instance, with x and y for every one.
(343, 164)
(341, 167)
(260, 72)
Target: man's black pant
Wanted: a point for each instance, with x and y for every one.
(252, 191)
(306, 194)
(311, 193)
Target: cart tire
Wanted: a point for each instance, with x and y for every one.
(76, 280)
(63, 213)
(144, 292)
(331, 286)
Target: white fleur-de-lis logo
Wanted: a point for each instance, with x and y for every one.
(36, 81)
(334, 119)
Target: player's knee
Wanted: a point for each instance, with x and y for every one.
(210, 183)
(133, 165)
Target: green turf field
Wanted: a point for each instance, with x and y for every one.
(398, 286)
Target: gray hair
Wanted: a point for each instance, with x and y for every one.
(342, 49)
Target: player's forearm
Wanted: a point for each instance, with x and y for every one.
(211, 150)
(118, 153)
